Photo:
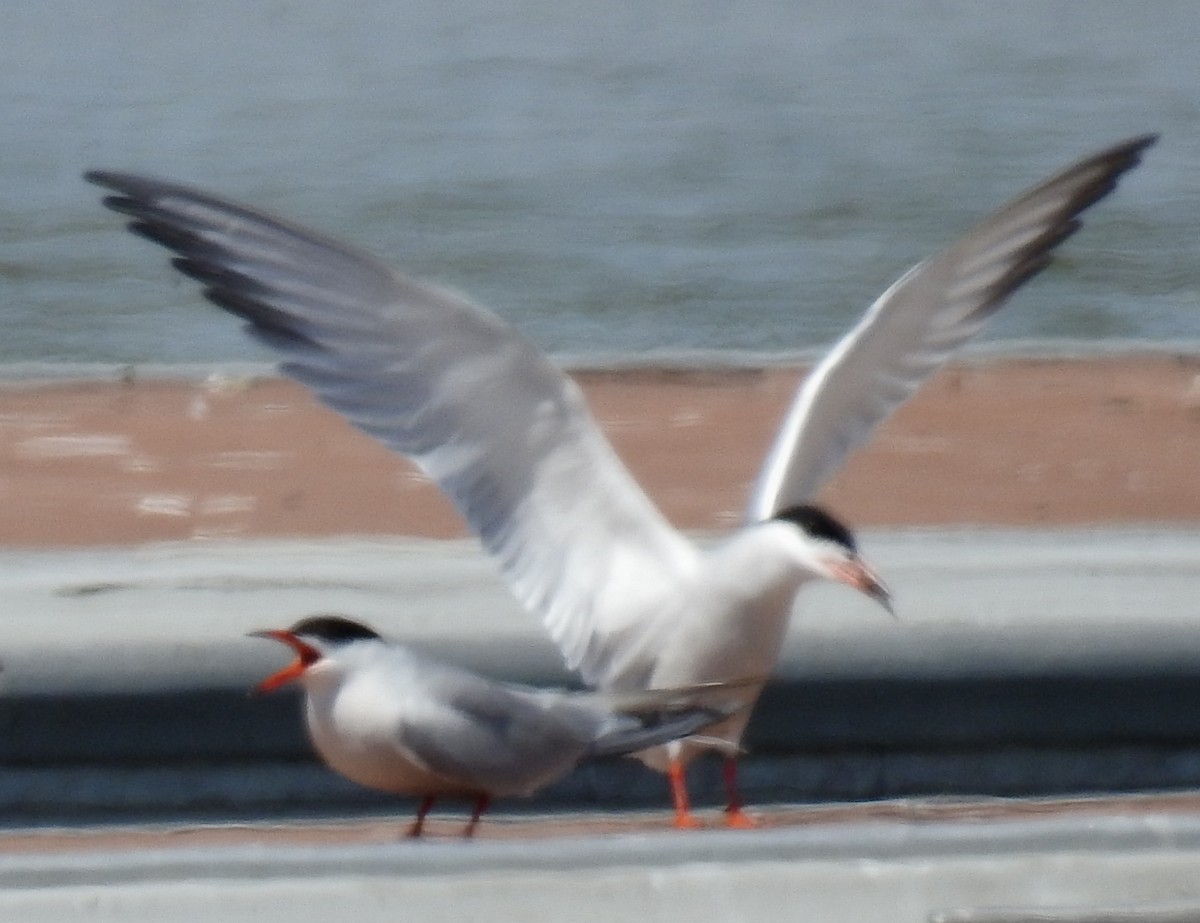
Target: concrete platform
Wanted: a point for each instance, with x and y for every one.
(1091, 866)
(903, 770)
(1023, 663)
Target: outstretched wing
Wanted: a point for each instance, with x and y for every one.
(502, 431)
(919, 321)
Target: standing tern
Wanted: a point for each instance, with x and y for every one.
(393, 720)
(631, 602)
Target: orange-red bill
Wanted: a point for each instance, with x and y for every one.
(306, 656)
(855, 573)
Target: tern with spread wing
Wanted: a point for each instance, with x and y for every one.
(393, 720)
(632, 603)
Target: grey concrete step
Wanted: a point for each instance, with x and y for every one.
(1116, 868)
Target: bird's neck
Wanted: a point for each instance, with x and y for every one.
(762, 562)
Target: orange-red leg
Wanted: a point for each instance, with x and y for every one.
(679, 794)
(481, 805)
(734, 815)
(423, 808)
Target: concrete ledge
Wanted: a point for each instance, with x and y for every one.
(1070, 868)
(1024, 662)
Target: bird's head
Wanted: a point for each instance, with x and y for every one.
(828, 549)
(313, 639)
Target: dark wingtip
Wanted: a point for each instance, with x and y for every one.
(1127, 154)
(1141, 142)
(173, 226)
(1112, 164)
(112, 179)
(1117, 161)
(267, 323)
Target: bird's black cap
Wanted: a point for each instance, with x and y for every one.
(820, 524)
(333, 628)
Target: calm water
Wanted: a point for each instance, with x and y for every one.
(617, 177)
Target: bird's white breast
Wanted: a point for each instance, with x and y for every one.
(729, 626)
(354, 725)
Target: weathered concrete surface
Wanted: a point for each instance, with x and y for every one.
(1075, 866)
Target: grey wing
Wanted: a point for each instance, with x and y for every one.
(493, 738)
(510, 740)
(914, 326)
(503, 432)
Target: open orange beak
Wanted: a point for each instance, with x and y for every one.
(306, 656)
(855, 573)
